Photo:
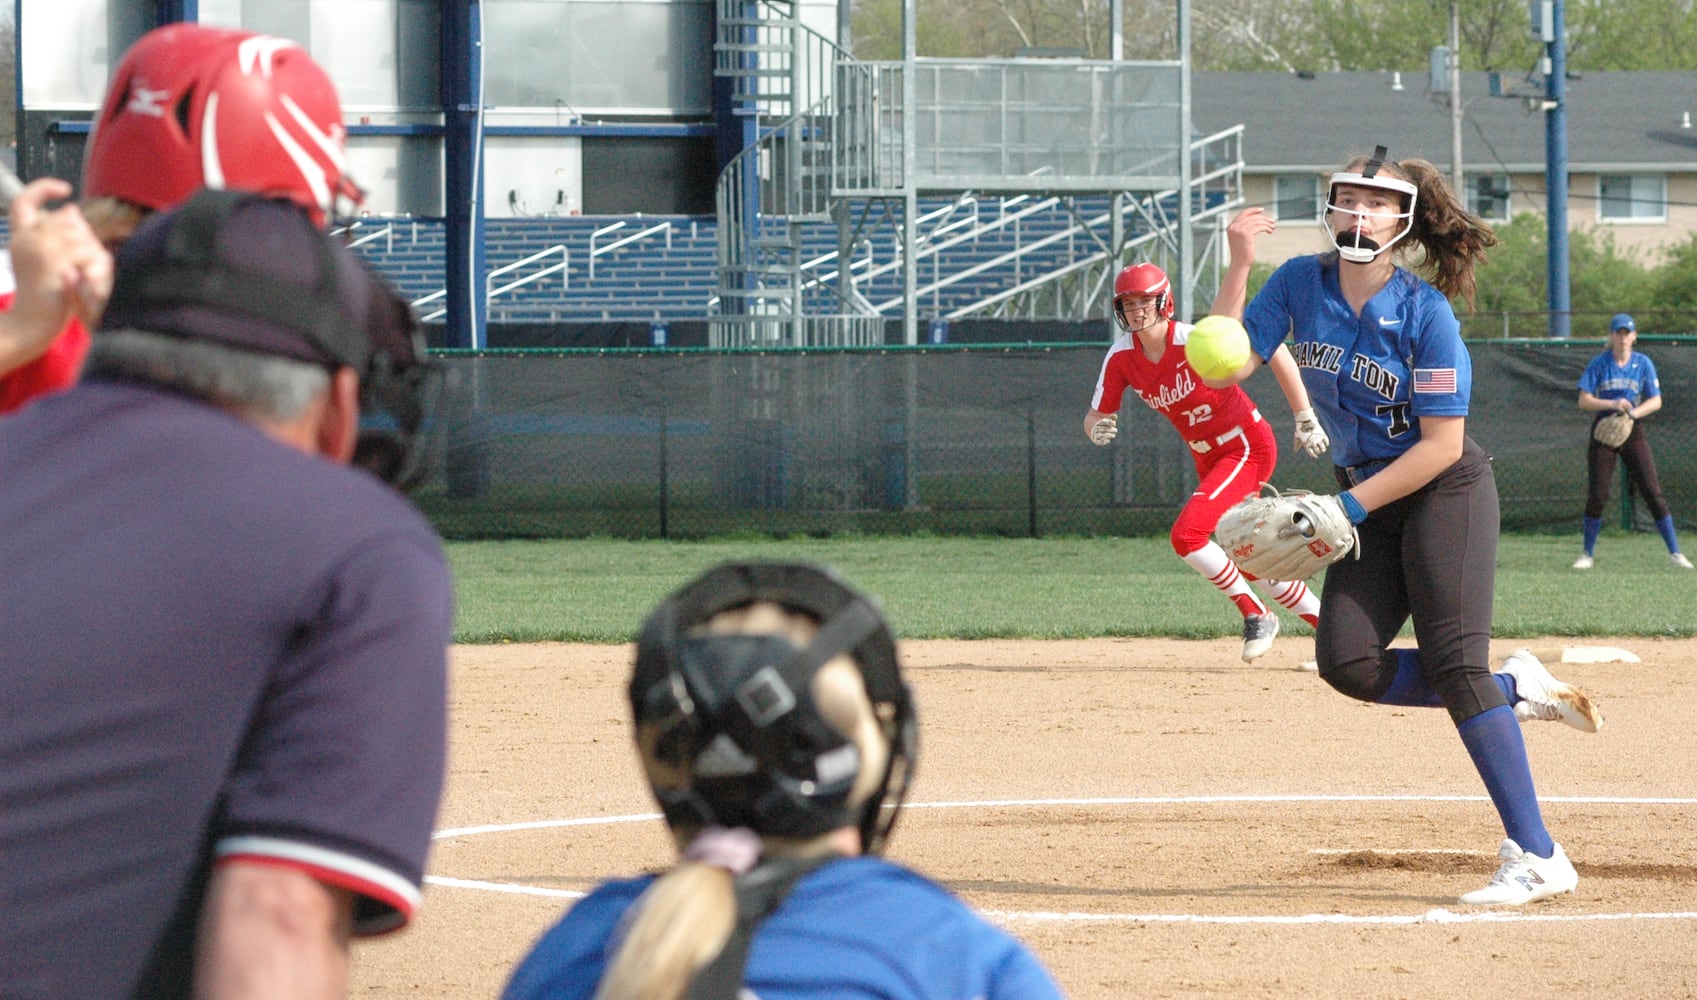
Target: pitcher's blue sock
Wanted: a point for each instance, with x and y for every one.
(1412, 689)
(1665, 526)
(1498, 750)
(1593, 528)
(1410, 686)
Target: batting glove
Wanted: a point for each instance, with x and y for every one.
(1310, 436)
(1104, 430)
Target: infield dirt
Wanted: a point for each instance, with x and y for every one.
(1156, 818)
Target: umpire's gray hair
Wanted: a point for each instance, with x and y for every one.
(265, 387)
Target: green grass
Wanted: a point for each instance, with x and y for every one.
(598, 590)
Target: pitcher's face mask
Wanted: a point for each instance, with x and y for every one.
(1356, 210)
(1359, 203)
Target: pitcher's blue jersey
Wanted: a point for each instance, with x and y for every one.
(1632, 381)
(855, 928)
(1370, 376)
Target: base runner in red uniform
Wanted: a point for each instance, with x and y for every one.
(1234, 448)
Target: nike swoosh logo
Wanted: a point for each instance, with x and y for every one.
(1387, 321)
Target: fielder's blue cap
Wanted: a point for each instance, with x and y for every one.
(1622, 321)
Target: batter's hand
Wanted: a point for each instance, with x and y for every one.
(1310, 436)
(1104, 430)
(62, 270)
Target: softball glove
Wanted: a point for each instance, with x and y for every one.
(1286, 536)
(1613, 430)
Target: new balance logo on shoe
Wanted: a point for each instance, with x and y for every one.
(1525, 878)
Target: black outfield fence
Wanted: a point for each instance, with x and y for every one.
(960, 439)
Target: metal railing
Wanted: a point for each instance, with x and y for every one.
(491, 292)
(600, 251)
(386, 234)
(785, 331)
(777, 65)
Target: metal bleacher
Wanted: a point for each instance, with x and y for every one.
(647, 268)
(1023, 206)
(558, 268)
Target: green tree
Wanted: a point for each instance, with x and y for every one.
(1675, 281)
(1513, 278)
(1631, 35)
(939, 31)
(1604, 280)
(1289, 35)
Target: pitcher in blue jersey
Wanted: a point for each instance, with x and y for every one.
(1621, 380)
(778, 737)
(1381, 354)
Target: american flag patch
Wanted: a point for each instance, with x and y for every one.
(1437, 380)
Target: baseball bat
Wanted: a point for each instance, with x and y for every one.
(10, 185)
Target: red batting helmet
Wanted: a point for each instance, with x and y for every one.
(1141, 281)
(191, 106)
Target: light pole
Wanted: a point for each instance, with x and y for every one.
(1456, 176)
(1548, 25)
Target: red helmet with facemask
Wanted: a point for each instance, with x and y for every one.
(192, 106)
(1142, 281)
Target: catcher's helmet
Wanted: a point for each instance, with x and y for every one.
(733, 716)
(191, 106)
(1142, 281)
(1352, 246)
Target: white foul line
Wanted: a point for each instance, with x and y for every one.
(507, 887)
(1434, 916)
(1147, 800)
(1437, 916)
(540, 824)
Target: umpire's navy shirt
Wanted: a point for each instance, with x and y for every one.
(211, 646)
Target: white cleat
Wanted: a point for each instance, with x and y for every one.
(1678, 559)
(1544, 698)
(1584, 562)
(1259, 631)
(1525, 878)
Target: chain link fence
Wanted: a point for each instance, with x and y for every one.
(946, 440)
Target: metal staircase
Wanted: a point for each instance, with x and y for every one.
(777, 68)
(829, 137)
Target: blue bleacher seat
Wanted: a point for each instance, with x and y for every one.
(650, 277)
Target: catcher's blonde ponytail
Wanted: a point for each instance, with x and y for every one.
(681, 922)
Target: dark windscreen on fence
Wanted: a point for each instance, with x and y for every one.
(980, 440)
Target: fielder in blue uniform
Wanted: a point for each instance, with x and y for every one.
(1381, 354)
(774, 725)
(1620, 380)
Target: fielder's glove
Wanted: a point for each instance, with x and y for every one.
(1613, 430)
(1104, 430)
(1286, 536)
(1310, 436)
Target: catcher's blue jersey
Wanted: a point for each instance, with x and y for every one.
(1634, 380)
(1369, 376)
(855, 928)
